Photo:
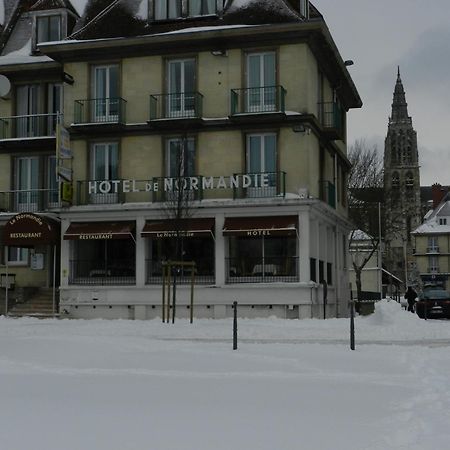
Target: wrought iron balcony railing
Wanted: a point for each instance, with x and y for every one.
(29, 200)
(102, 272)
(434, 249)
(262, 269)
(100, 110)
(327, 193)
(260, 185)
(28, 126)
(331, 116)
(179, 105)
(258, 100)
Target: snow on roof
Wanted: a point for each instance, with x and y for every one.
(22, 56)
(271, 6)
(142, 11)
(79, 5)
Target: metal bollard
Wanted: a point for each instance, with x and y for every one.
(234, 325)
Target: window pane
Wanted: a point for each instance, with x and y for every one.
(254, 71)
(160, 9)
(173, 162)
(55, 28)
(189, 75)
(42, 29)
(189, 158)
(210, 7)
(98, 169)
(113, 166)
(254, 155)
(270, 154)
(113, 82)
(174, 9)
(195, 7)
(269, 69)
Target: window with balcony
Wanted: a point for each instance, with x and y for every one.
(261, 92)
(106, 102)
(27, 109)
(261, 158)
(48, 28)
(27, 184)
(433, 264)
(181, 81)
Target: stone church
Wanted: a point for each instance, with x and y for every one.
(402, 194)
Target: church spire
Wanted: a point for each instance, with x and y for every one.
(399, 105)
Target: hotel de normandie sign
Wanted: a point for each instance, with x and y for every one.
(259, 180)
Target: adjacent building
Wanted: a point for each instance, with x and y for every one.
(204, 131)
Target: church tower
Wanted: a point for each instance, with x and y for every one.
(401, 186)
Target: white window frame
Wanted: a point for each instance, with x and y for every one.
(263, 97)
(105, 101)
(21, 256)
(24, 200)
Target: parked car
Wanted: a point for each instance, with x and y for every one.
(433, 302)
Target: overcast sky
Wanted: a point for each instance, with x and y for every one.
(380, 35)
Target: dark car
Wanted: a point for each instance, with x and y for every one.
(433, 302)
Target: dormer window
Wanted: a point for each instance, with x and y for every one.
(167, 9)
(48, 28)
(202, 7)
(443, 221)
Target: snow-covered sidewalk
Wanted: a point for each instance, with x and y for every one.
(107, 385)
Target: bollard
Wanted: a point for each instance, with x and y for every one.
(234, 325)
(352, 325)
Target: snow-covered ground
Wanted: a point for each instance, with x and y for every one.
(129, 385)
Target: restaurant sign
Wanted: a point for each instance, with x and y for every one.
(257, 180)
(28, 230)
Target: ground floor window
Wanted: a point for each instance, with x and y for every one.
(197, 249)
(18, 256)
(262, 259)
(103, 262)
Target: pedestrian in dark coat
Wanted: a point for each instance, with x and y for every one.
(411, 296)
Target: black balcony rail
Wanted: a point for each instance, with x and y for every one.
(434, 249)
(100, 110)
(260, 185)
(331, 116)
(29, 200)
(327, 193)
(28, 126)
(433, 269)
(267, 269)
(110, 192)
(102, 272)
(178, 105)
(258, 100)
(175, 190)
(204, 272)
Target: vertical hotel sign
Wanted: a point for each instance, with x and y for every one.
(64, 153)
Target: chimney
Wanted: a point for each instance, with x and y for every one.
(437, 194)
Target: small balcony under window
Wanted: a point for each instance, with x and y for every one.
(257, 100)
(100, 111)
(178, 105)
(28, 126)
(332, 117)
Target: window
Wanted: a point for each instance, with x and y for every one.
(261, 158)
(27, 183)
(105, 162)
(52, 182)
(261, 82)
(433, 244)
(433, 264)
(312, 269)
(443, 221)
(106, 93)
(167, 9)
(181, 88)
(48, 28)
(18, 256)
(304, 8)
(202, 7)
(262, 259)
(395, 180)
(180, 157)
(409, 181)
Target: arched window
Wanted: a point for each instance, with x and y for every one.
(395, 180)
(409, 180)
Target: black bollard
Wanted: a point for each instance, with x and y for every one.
(352, 325)
(234, 325)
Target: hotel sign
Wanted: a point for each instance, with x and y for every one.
(259, 180)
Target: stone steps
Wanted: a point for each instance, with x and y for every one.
(39, 305)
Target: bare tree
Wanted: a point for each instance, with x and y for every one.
(365, 187)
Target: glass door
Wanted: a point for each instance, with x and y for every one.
(55, 106)
(181, 87)
(104, 167)
(52, 183)
(106, 93)
(27, 183)
(261, 82)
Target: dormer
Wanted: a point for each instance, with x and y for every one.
(180, 9)
(304, 9)
(51, 21)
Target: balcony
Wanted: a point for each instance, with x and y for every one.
(260, 185)
(29, 201)
(433, 269)
(100, 111)
(434, 249)
(331, 117)
(262, 269)
(327, 193)
(258, 100)
(28, 126)
(182, 105)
